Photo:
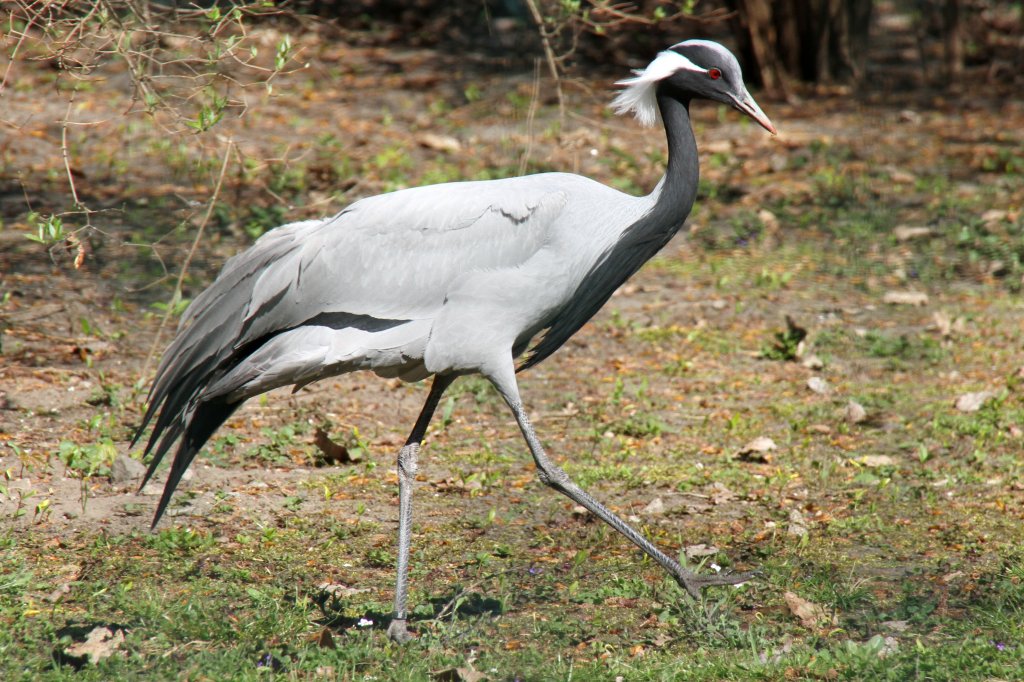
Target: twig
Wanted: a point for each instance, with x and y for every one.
(524, 160)
(66, 156)
(549, 54)
(176, 296)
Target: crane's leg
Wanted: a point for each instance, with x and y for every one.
(406, 479)
(554, 476)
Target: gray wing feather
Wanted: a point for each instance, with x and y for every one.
(390, 256)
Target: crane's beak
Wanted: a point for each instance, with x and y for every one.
(748, 106)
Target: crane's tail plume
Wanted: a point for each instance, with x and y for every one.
(199, 426)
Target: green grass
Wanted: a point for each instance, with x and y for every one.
(915, 560)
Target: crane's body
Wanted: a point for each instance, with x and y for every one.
(442, 281)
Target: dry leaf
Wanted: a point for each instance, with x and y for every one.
(58, 593)
(813, 362)
(896, 625)
(100, 643)
(757, 450)
(905, 233)
(972, 402)
(331, 452)
(873, 461)
(442, 143)
(339, 590)
(700, 551)
(809, 613)
(324, 639)
(905, 298)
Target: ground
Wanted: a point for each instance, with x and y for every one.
(888, 229)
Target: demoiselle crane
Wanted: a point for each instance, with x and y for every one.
(443, 280)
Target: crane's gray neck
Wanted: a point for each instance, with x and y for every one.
(673, 197)
(669, 204)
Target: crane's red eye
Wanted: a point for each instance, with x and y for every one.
(714, 74)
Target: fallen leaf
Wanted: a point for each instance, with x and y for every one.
(331, 452)
(972, 402)
(442, 143)
(813, 362)
(994, 215)
(873, 461)
(700, 551)
(896, 625)
(905, 298)
(769, 219)
(950, 577)
(100, 643)
(58, 593)
(757, 450)
(809, 613)
(905, 233)
(324, 639)
(339, 590)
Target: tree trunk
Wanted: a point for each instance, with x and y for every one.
(818, 41)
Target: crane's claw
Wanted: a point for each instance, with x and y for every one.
(694, 583)
(397, 632)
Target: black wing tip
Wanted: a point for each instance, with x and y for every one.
(201, 424)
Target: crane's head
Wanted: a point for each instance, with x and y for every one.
(692, 68)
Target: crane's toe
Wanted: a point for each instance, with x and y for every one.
(694, 583)
(397, 631)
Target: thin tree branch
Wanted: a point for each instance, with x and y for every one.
(176, 296)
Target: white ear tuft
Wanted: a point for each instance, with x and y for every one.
(640, 93)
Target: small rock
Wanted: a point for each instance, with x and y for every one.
(818, 385)
(797, 524)
(890, 645)
(905, 298)
(655, 506)
(855, 413)
(151, 489)
(125, 469)
(721, 494)
(972, 402)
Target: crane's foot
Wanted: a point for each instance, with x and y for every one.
(694, 583)
(397, 631)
